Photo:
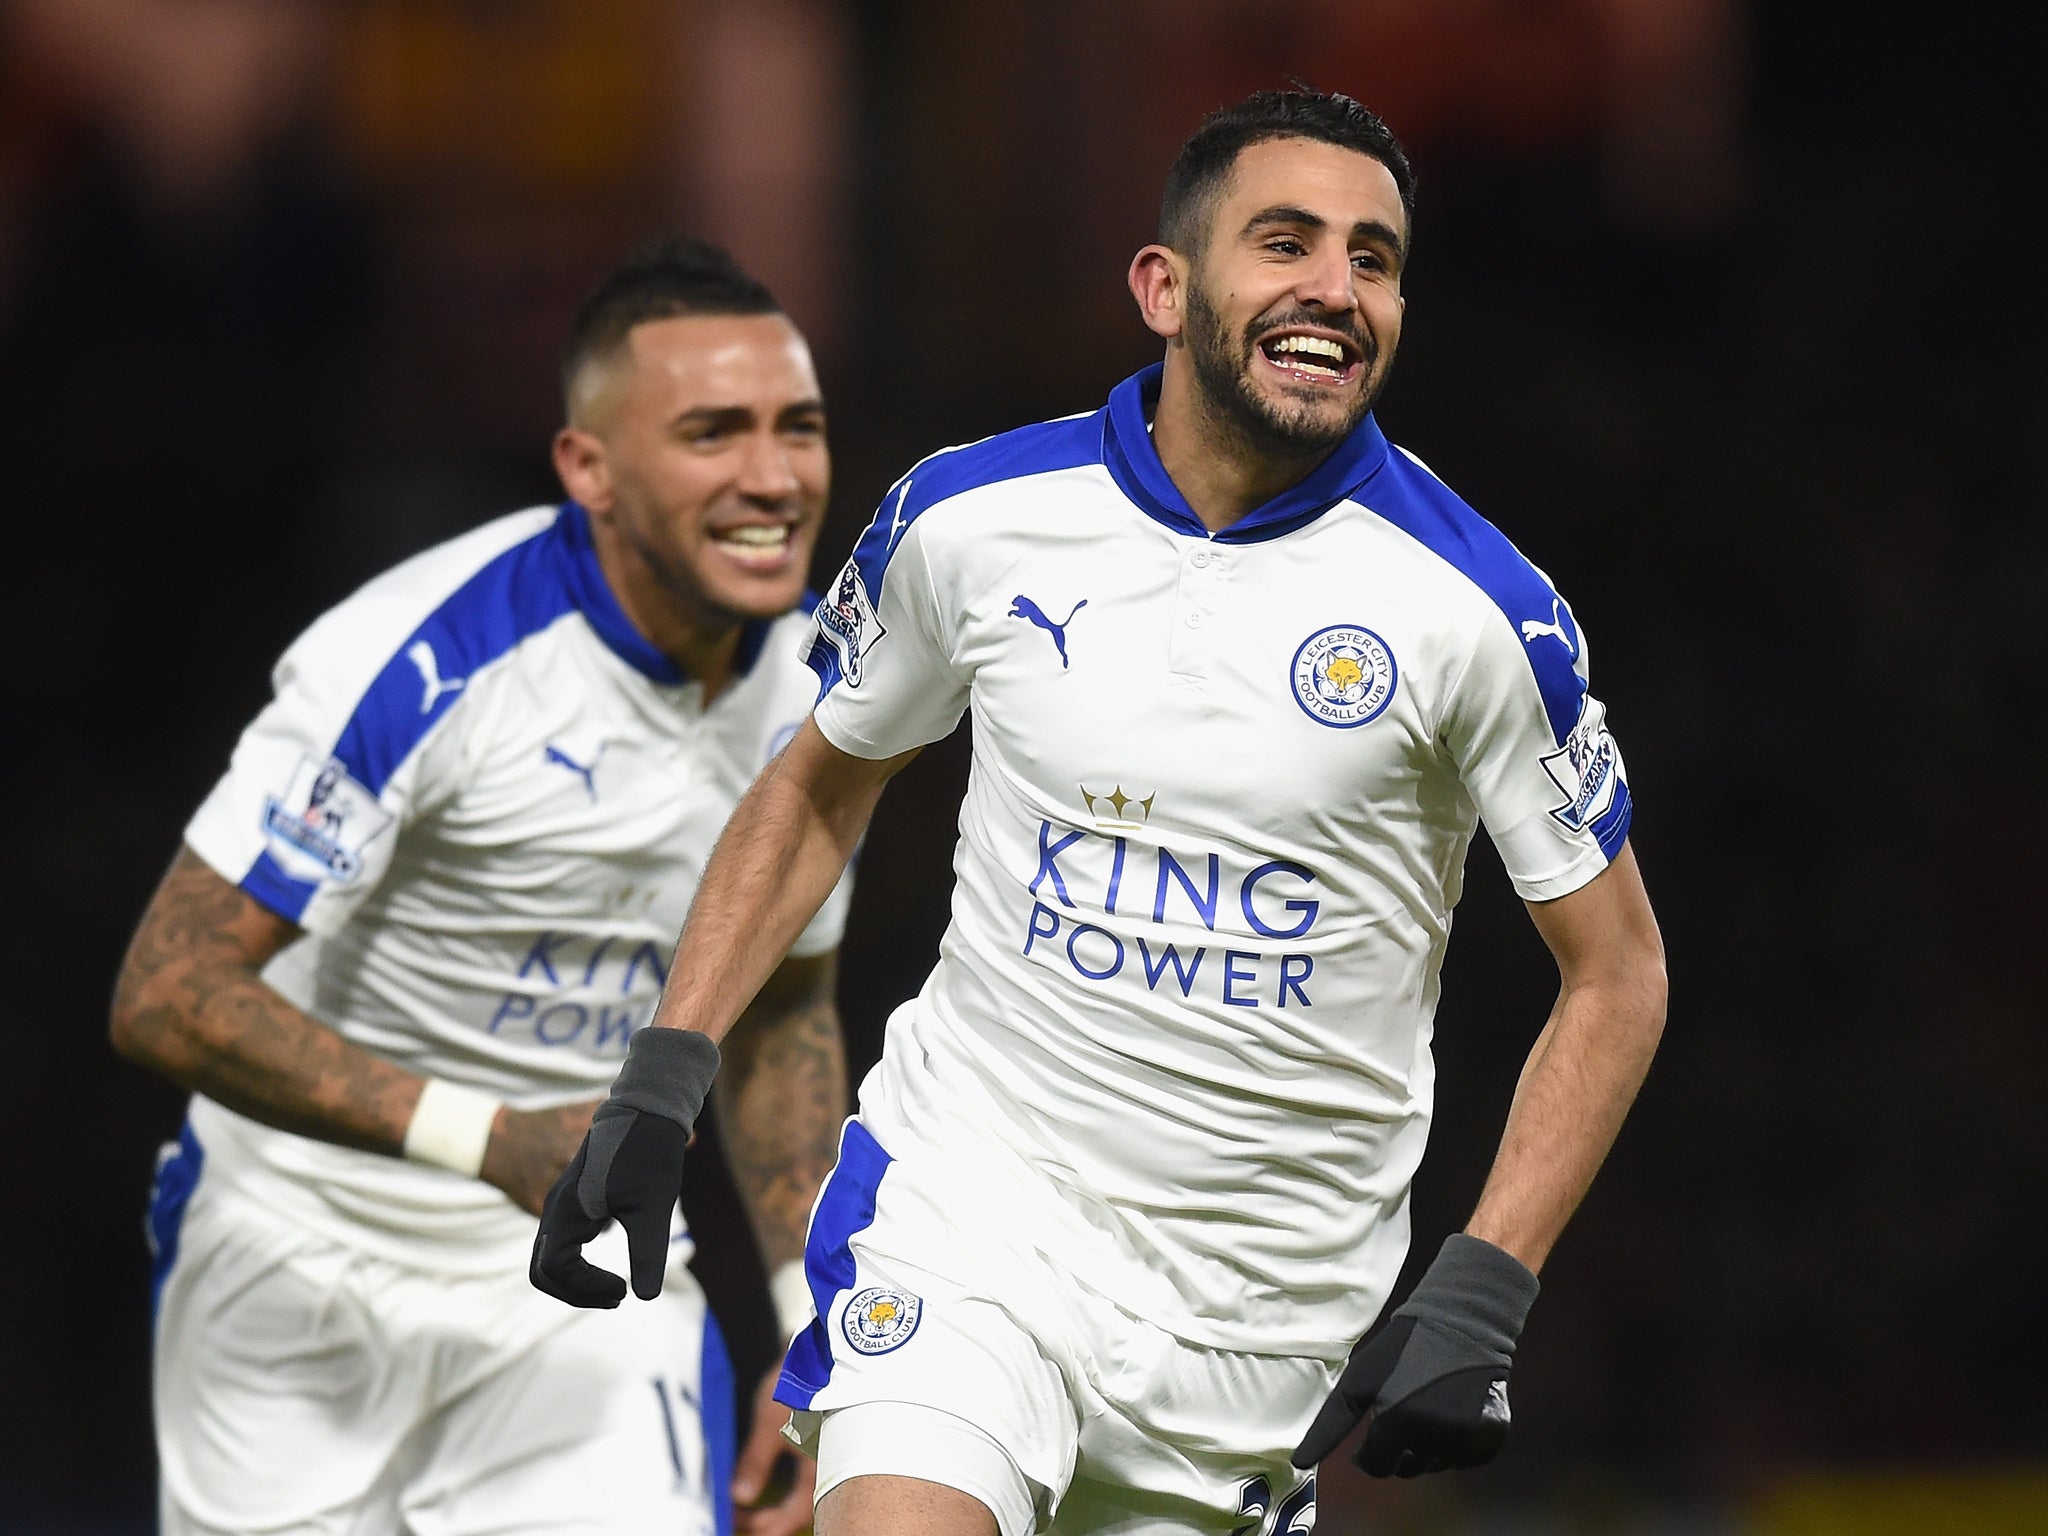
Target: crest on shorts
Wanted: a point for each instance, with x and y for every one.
(880, 1318)
(1344, 675)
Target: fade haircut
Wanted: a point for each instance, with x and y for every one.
(1202, 169)
(664, 279)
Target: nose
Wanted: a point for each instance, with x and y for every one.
(1325, 279)
(766, 474)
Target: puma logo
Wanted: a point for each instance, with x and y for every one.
(587, 774)
(1531, 628)
(1021, 607)
(421, 655)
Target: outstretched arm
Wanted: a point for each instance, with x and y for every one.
(781, 853)
(773, 866)
(1583, 1073)
(1432, 1382)
(192, 1005)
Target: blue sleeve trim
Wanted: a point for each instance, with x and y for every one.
(1428, 511)
(267, 882)
(846, 1207)
(823, 658)
(1611, 829)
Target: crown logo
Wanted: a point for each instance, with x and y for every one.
(1116, 806)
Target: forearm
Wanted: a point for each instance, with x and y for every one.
(781, 853)
(782, 1097)
(783, 849)
(191, 1006)
(1575, 1090)
(246, 1047)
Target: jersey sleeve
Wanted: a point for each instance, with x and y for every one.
(882, 645)
(1532, 748)
(322, 782)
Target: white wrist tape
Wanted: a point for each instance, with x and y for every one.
(451, 1127)
(791, 1293)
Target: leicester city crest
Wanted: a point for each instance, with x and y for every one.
(880, 1318)
(1344, 676)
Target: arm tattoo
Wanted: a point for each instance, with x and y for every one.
(781, 1098)
(191, 1004)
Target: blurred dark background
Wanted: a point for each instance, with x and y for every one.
(1724, 311)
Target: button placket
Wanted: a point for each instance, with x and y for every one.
(1189, 649)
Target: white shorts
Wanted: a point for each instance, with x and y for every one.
(966, 1359)
(302, 1386)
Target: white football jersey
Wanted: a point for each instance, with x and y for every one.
(488, 801)
(1221, 793)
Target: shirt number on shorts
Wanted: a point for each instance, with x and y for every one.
(690, 1406)
(1295, 1515)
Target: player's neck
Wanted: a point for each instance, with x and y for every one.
(1221, 472)
(701, 641)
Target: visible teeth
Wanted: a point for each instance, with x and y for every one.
(1315, 346)
(758, 538)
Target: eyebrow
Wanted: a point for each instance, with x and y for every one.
(735, 417)
(1365, 230)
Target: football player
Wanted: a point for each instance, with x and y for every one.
(411, 932)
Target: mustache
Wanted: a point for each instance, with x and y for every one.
(1346, 326)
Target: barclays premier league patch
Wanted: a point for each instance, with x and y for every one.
(1584, 769)
(1344, 676)
(847, 619)
(318, 829)
(880, 1318)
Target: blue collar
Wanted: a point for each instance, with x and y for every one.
(594, 598)
(1133, 462)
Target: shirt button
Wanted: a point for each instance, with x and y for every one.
(1199, 558)
(1194, 621)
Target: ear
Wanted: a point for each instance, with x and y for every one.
(1158, 279)
(583, 468)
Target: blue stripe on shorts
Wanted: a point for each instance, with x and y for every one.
(847, 1206)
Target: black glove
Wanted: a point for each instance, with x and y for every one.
(1435, 1379)
(630, 1166)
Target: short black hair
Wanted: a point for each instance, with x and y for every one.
(665, 278)
(1205, 160)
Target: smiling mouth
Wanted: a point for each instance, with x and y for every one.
(1320, 360)
(756, 543)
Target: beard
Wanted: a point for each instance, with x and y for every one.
(1223, 374)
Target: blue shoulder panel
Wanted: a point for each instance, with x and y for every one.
(1041, 448)
(519, 593)
(1428, 511)
(515, 594)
